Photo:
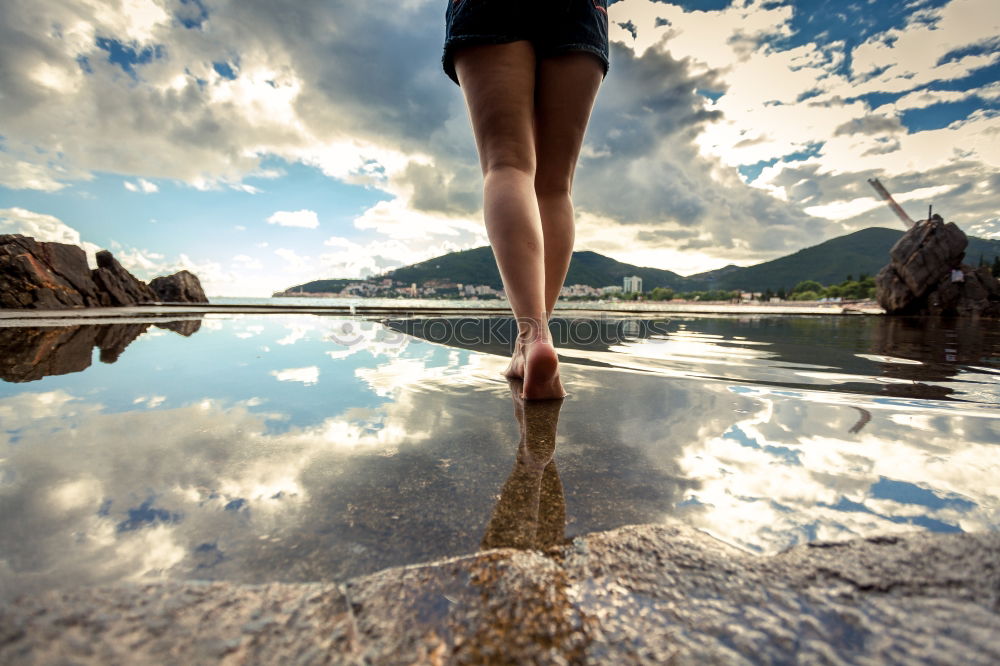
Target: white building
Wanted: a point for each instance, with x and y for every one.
(578, 290)
(633, 283)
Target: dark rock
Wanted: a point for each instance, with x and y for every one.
(646, 594)
(44, 275)
(112, 339)
(892, 293)
(978, 293)
(925, 252)
(918, 279)
(30, 354)
(56, 276)
(185, 327)
(181, 287)
(117, 285)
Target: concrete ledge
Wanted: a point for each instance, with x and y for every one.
(172, 310)
(644, 594)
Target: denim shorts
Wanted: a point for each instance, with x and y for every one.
(552, 26)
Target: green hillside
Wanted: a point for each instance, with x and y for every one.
(478, 267)
(596, 270)
(332, 286)
(984, 248)
(830, 262)
(467, 267)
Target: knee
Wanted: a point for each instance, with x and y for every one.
(509, 161)
(552, 186)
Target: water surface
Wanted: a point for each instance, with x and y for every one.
(308, 448)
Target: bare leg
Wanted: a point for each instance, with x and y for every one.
(499, 85)
(565, 90)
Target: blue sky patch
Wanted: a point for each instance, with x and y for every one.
(699, 5)
(224, 69)
(193, 13)
(825, 21)
(126, 56)
(146, 515)
(750, 172)
(909, 493)
(939, 115)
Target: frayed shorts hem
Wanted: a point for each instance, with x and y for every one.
(455, 43)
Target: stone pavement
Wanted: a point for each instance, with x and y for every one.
(644, 594)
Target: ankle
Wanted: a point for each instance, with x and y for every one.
(533, 329)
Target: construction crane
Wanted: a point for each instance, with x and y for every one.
(896, 208)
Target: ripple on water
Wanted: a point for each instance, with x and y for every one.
(298, 448)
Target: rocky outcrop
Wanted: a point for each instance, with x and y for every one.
(181, 287)
(925, 275)
(978, 292)
(54, 276)
(44, 275)
(118, 286)
(185, 327)
(646, 594)
(33, 352)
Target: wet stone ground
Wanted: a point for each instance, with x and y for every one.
(315, 489)
(648, 594)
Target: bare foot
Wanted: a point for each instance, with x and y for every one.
(541, 371)
(516, 368)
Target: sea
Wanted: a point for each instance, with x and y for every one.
(319, 446)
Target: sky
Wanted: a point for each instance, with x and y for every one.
(263, 144)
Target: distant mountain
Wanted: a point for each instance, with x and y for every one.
(830, 262)
(862, 252)
(467, 267)
(596, 270)
(478, 267)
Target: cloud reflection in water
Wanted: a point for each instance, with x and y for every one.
(187, 458)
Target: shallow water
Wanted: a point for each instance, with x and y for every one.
(306, 448)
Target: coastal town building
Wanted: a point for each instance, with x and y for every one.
(633, 284)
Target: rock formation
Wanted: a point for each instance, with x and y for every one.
(33, 352)
(44, 275)
(181, 287)
(646, 594)
(185, 327)
(925, 275)
(118, 286)
(54, 276)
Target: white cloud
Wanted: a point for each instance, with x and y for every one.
(918, 53)
(357, 92)
(307, 376)
(45, 228)
(39, 226)
(245, 262)
(305, 219)
(151, 401)
(142, 185)
(18, 174)
(295, 262)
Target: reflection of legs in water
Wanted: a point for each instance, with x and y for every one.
(531, 512)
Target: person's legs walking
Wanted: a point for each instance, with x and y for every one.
(499, 85)
(565, 89)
